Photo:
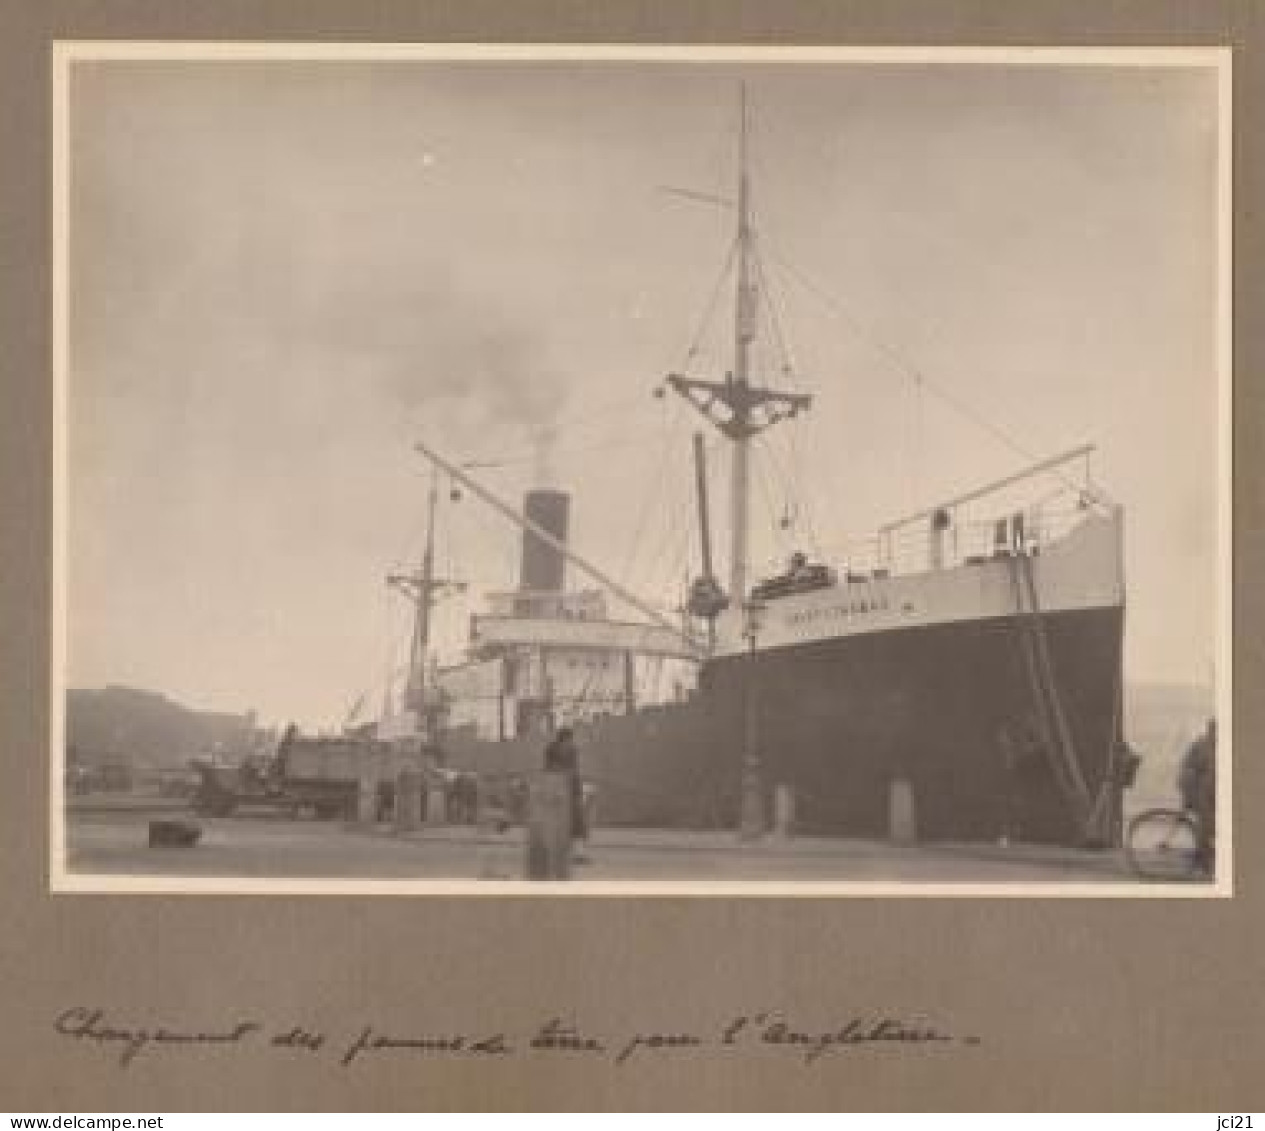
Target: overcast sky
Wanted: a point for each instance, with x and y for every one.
(282, 274)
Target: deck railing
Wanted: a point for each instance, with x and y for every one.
(999, 518)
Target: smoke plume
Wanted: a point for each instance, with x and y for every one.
(427, 341)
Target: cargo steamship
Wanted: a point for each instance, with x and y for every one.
(970, 662)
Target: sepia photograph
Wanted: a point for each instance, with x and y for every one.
(607, 471)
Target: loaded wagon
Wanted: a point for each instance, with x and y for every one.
(320, 777)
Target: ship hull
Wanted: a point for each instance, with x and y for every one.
(951, 709)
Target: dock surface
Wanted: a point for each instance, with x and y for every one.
(114, 843)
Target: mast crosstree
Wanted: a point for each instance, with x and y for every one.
(423, 588)
(738, 409)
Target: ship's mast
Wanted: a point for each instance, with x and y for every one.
(745, 410)
(744, 332)
(422, 587)
(426, 599)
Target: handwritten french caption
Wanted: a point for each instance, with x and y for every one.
(768, 1032)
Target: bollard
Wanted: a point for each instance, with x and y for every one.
(549, 827)
(783, 811)
(367, 799)
(589, 797)
(408, 801)
(437, 803)
(902, 825)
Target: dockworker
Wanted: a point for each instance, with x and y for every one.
(562, 756)
(1197, 782)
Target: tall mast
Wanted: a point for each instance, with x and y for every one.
(426, 598)
(422, 587)
(744, 332)
(737, 408)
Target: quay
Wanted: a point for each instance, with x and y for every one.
(113, 842)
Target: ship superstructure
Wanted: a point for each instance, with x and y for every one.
(543, 656)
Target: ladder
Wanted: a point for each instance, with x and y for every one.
(1053, 731)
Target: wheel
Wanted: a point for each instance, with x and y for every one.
(1163, 844)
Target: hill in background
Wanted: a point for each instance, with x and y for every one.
(148, 729)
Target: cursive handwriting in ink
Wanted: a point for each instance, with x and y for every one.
(454, 1044)
(299, 1038)
(658, 1042)
(854, 1032)
(769, 1032)
(554, 1036)
(90, 1025)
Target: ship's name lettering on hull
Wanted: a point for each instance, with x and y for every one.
(844, 611)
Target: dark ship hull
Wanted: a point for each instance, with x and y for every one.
(993, 689)
(839, 721)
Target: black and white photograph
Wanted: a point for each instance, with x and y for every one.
(606, 471)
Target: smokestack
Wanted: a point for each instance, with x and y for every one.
(543, 567)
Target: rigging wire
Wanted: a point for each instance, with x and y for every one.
(907, 369)
(631, 558)
(670, 550)
(710, 309)
(780, 539)
(791, 478)
(788, 368)
(789, 488)
(487, 532)
(902, 365)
